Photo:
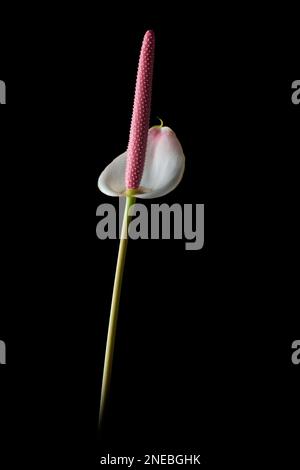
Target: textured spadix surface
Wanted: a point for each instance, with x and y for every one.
(141, 114)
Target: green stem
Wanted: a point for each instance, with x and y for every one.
(113, 320)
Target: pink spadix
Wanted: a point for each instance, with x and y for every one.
(137, 145)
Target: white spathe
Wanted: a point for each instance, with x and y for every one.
(163, 171)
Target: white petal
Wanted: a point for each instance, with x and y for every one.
(164, 167)
(112, 179)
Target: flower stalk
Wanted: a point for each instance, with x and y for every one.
(113, 319)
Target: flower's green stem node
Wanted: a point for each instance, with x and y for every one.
(131, 192)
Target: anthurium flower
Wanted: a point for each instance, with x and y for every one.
(152, 166)
(154, 162)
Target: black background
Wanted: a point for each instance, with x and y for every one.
(203, 357)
